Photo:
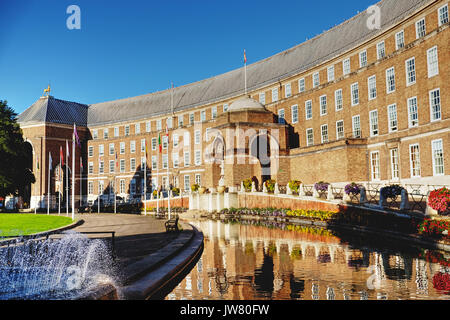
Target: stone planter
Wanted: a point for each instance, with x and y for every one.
(221, 189)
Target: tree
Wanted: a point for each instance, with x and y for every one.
(14, 174)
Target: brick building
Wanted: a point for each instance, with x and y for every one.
(355, 103)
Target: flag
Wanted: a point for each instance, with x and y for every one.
(49, 161)
(117, 162)
(245, 57)
(75, 135)
(61, 157)
(159, 142)
(81, 164)
(67, 150)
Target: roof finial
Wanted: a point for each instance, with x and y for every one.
(47, 91)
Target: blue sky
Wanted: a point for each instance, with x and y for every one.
(135, 47)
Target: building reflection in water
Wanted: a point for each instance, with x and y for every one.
(247, 262)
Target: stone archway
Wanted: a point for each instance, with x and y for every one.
(260, 149)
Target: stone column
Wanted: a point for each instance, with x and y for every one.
(276, 189)
(330, 195)
(301, 192)
(288, 190)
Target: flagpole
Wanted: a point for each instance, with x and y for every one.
(59, 191)
(157, 184)
(67, 179)
(81, 179)
(73, 173)
(145, 182)
(48, 186)
(245, 72)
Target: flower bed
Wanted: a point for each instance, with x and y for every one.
(439, 200)
(352, 189)
(441, 281)
(312, 214)
(434, 229)
(282, 213)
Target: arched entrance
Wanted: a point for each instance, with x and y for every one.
(26, 190)
(260, 149)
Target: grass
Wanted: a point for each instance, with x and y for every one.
(26, 224)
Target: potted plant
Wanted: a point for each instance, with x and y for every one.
(175, 192)
(392, 191)
(247, 185)
(294, 185)
(439, 200)
(202, 190)
(321, 186)
(195, 187)
(270, 185)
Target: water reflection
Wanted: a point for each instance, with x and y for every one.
(284, 262)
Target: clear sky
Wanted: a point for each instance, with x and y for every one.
(134, 47)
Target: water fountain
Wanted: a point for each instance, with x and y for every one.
(71, 267)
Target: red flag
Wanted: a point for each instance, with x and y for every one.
(245, 57)
(75, 135)
(61, 156)
(81, 164)
(159, 141)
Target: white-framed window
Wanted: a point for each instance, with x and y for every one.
(112, 166)
(381, 51)
(395, 167)
(187, 183)
(301, 85)
(274, 94)
(122, 165)
(105, 133)
(111, 149)
(214, 112)
(443, 15)
(133, 186)
(90, 167)
(137, 128)
(372, 87)
(95, 134)
(432, 62)
(413, 112)
(340, 130)
(435, 104)
(90, 187)
(355, 93)
(101, 187)
(101, 150)
(198, 179)
(169, 123)
(154, 162)
(262, 98)
(346, 66)
(375, 165)
(198, 157)
(356, 126)
(159, 125)
(143, 163)
(281, 117)
(191, 118)
(197, 136)
(165, 142)
(392, 118)
(316, 79)
(225, 106)
(400, 40)
(390, 80)
(373, 118)
(175, 160)
(187, 159)
(438, 157)
(180, 120)
(122, 148)
(90, 151)
(330, 73)
(154, 143)
(142, 145)
(309, 137)
(338, 100)
(122, 186)
(324, 133)
(116, 131)
(101, 167)
(203, 115)
(148, 126)
(287, 90)
(133, 146)
(132, 164)
(410, 66)
(127, 130)
(308, 109)
(421, 29)
(414, 158)
(176, 140)
(294, 114)
(186, 139)
(165, 161)
(323, 105)
(363, 59)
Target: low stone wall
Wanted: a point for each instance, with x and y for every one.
(179, 202)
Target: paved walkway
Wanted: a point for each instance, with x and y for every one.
(136, 236)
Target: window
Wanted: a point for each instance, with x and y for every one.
(340, 129)
(101, 167)
(133, 186)
(143, 163)
(363, 59)
(421, 28)
(122, 186)
(122, 165)
(375, 164)
(414, 156)
(175, 160)
(438, 157)
(154, 163)
(287, 90)
(101, 150)
(330, 73)
(191, 118)
(90, 187)
(95, 134)
(301, 85)
(187, 159)
(410, 71)
(111, 149)
(324, 133)
(262, 98)
(316, 80)
(132, 146)
(323, 105)
(390, 80)
(392, 117)
(154, 142)
(338, 100)
(148, 126)
(309, 137)
(90, 151)
(105, 133)
(159, 125)
(137, 128)
(203, 115)
(225, 107)
(355, 94)
(281, 116)
(127, 130)
(111, 166)
(165, 161)
(395, 168)
(346, 66)
(142, 145)
(274, 94)
(400, 40)
(356, 124)
(198, 157)
(373, 117)
(165, 142)
(308, 109)
(116, 131)
(180, 120)
(294, 113)
(175, 139)
(187, 184)
(443, 15)
(372, 87)
(169, 123)
(101, 187)
(214, 112)
(122, 148)
(186, 139)
(90, 167)
(413, 115)
(381, 51)
(435, 105)
(133, 164)
(432, 61)
(197, 136)
(198, 179)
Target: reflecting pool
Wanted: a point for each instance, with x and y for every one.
(277, 261)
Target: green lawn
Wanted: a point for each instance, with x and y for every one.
(26, 224)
